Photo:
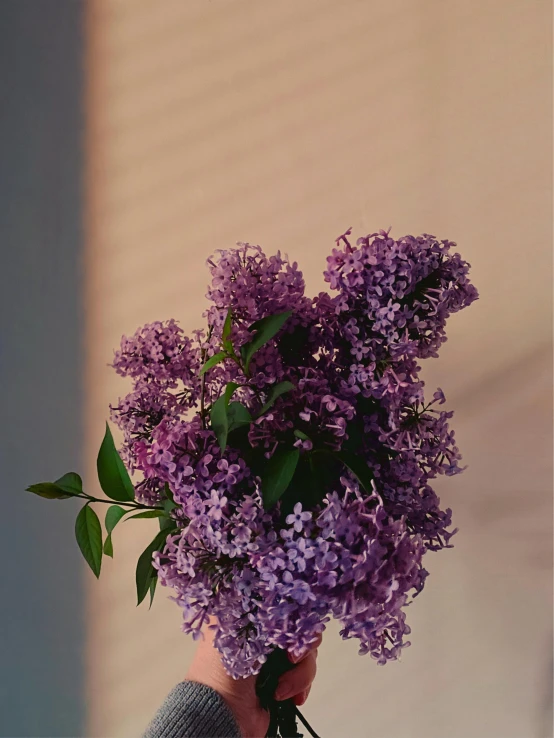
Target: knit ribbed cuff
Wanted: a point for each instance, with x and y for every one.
(193, 710)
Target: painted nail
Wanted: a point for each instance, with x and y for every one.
(295, 658)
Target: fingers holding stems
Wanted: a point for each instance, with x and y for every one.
(297, 682)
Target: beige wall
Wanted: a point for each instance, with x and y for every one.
(283, 123)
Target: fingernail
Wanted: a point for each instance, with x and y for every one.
(295, 658)
(283, 692)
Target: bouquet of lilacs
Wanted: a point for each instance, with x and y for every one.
(288, 451)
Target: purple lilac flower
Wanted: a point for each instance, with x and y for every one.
(298, 518)
(275, 577)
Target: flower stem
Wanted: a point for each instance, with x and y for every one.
(282, 715)
(203, 380)
(134, 505)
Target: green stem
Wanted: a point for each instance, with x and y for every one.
(203, 380)
(134, 505)
(282, 715)
(202, 389)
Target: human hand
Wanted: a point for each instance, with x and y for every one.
(240, 694)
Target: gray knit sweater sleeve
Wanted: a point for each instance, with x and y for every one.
(192, 710)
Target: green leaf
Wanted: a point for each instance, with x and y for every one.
(311, 481)
(167, 524)
(168, 493)
(108, 546)
(148, 514)
(278, 474)
(226, 332)
(70, 483)
(113, 516)
(358, 467)
(220, 421)
(212, 361)
(271, 324)
(229, 391)
(300, 434)
(264, 329)
(113, 476)
(89, 537)
(238, 416)
(218, 415)
(276, 391)
(49, 491)
(145, 571)
(227, 344)
(152, 589)
(169, 504)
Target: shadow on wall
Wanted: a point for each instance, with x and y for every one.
(41, 618)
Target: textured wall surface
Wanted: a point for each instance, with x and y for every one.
(284, 123)
(41, 392)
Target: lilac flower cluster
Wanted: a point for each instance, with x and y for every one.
(336, 387)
